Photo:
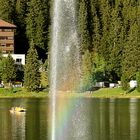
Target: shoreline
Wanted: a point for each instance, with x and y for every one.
(101, 93)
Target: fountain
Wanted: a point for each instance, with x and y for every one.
(65, 68)
(65, 62)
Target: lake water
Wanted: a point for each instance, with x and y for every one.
(77, 119)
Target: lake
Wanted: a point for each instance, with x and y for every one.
(76, 119)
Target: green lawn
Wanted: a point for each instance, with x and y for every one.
(20, 93)
(115, 92)
(101, 93)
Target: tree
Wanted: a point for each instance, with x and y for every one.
(98, 68)
(37, 22)
(1, 65)
(44, 75)
(131, 56)
(84, 36)
(8, 71)
(138, 81)
(87, 80)
(124, 82)
(116, 35)
(21, 10)
(19, 72)
(94, 23)
(105, 50)
(7, 10)
(93, 69)
(31, 72)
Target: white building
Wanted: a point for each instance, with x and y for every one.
(19, 58)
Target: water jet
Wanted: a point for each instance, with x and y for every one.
(65, 56)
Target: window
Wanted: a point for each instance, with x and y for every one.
(10, 38)
(3, 37)
(9, 45)
(18, 60)
(6, 30)
(10, 52)
(6, 38)
(3, 44)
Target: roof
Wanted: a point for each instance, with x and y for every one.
(6, 24)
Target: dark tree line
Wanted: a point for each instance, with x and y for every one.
(109, 35)
(110, 29)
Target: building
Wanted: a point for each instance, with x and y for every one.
(7, 44)
(7, 37)
(19, 58)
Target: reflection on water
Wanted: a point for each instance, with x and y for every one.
(112, 120)
(97, 119)
(133, 119)
(18, 126)
(72, 122)
(77, 119)
(5, 134)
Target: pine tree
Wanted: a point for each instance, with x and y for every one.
(7, 10)
(116, 36)
(44, 75)
(1, 65)
(96, 36)
(93, 66)
(131, 56)
(105, 10)
(21, 10)
(98, 67)
(138, 81)
(31, 72)
(95, 25)
(9, 70)
(37, 22)
(124, 82)
(86, 71)
(132, 52)
(84, 36)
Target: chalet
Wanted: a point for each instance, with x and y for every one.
(7, 37)
(7, 44)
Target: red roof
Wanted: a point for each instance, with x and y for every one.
(6, 24)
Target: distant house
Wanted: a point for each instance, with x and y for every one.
(19, 58)
(7, 42)
(7, 37)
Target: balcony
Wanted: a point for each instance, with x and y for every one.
(6, 41)
(6, 33)
(6, 48)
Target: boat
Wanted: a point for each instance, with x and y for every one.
(17, 109)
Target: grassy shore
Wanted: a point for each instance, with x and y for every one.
(115, 93)
(101, 93)
(21, 93)
(105, 93)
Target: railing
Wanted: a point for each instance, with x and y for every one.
(6, 33)
(5, 41)
(6, 48)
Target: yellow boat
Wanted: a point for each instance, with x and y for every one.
(17, 109)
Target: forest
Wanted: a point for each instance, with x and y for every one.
(109, 35)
